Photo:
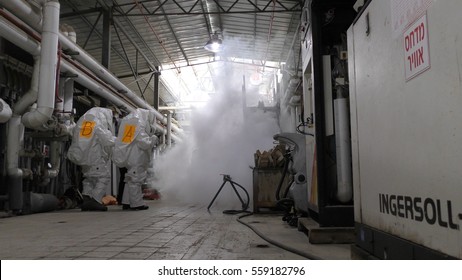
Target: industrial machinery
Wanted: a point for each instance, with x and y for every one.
(46, 82)
(406, 130)
(326, 111)
(296, 167)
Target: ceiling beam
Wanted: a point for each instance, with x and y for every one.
(255, 7)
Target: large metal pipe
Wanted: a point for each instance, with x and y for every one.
(108, 77)
(18, 37)
(24, 10)
(42, 202)
(15, 140)
(86, 60)
(97, 88)
(15, 35)
(48, 63)
(31, 95)
(343, 146)
(169, 124)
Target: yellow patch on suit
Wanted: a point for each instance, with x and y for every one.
(129, 133)
(86, 131)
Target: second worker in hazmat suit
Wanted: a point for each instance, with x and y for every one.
(91, 148)
(134, 150)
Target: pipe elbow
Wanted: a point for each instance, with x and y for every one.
(37, 118)
(15, 172)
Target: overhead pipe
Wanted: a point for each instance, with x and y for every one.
(24, 11)
(108, 77)
(97, 88)
(18, 37)
(86, 59)
(48, 62)
(15, 35)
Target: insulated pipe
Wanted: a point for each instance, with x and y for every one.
(18, 37)
(68, 95)
(48, 62)
(31, 95)
(164, 131)
(21, 39)
(169, 125)
(15, 140)
(108, 77)
(59, 105)
(343, 146)
(24, 11)
(89, 83)
(5, 111)
(42, 202)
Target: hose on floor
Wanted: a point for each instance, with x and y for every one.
(245, 204)
(276, 243)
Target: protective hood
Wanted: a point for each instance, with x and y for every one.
(135, 130)
(92, 133)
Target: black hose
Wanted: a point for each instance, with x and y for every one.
(276, 243)
(245, 206)
(284, 172)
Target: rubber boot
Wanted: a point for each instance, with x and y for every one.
(89, 204)
(142, 207)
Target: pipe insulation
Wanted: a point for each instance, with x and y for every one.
(27, 43)
(15, 140)
(343, 146)
(17, 36)
(87, 60)
(30, 97)
(5, 111)
(24, 10)
(48, 63)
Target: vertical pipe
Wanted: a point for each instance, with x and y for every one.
(343, 143)
(31, 95)
(48, 66)
(15, 140)
(68, 96)
(169, 129)
(156, 88)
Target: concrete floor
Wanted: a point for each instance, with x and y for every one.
(164, 231)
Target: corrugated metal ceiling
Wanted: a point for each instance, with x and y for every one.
(172, 33)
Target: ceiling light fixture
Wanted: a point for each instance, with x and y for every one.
(214, 44)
